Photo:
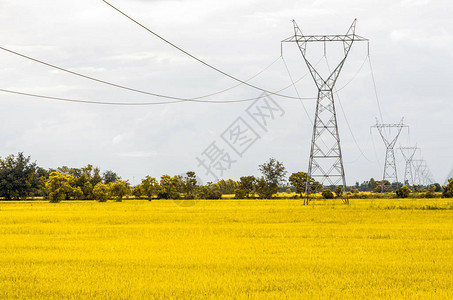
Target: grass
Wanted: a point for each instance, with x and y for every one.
(227, 249)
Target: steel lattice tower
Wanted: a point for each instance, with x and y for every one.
(326, 161)
(390, 172)
(423, 175)
(449, 176)
(418, 166)
(408, 154)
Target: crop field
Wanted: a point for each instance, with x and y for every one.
(257, 249)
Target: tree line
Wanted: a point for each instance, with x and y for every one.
(21, 178)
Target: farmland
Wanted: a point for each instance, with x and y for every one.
(227, 248)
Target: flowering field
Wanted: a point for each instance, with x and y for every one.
(227, 249)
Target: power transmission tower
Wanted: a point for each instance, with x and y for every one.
(390, 138)
(449, 176)
(422, 174)
(429, 178)
(326, 160)
(418, 166)
(408, 154)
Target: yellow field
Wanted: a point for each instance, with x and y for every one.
(227, 249)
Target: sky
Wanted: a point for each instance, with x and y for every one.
(409, 55)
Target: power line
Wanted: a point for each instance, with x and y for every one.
(87, 101)
(194, 57)
(196, 99)
(297, 92)
(375, 153)
(353, 77)
(295, 88)
(375, 89)
(177, 99)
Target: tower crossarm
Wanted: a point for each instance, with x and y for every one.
(419, 164)
(408, 152)
(348, 39)
(389, 143)
(325, 38)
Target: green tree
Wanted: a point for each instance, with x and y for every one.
(83, 182)
(74, 172)
(339, 191)
(383, 186)
(84, 178)
(136, 191)
(169, 187)
(59, 187)
(264, 189)
(76, 192)
(403, 192)
(209, 191)
(119, 189)
(273, 175)
(299, 182)
(101, 192)
(246, 187)
(189, 184)
(372, 185)
(448, 189)
(110, 177)
(430, 191)
(43, 175)
(149, 187)
(240, 193)
(18, 177)
(327, 194)
(438, 188)
(227, 186)
(96, 177)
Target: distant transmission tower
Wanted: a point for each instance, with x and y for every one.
(326, 161)
(422, 173)
(449, 176)
(428, 176)
(389, 138)
(418, 167)
(408, 154)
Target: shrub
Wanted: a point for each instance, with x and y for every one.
(58, 186)
(430, 192)
(209, 191)
(339, 191)
(448, 190)
(240, 193)
(327, 194)
(403, 192)
(101, 192)
(119, 189)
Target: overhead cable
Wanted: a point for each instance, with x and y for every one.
(179, 99)
(196, 58)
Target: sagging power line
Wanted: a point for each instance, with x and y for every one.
(176, 99)
(196, 58)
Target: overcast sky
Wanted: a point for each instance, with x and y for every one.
(410, 53)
